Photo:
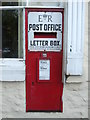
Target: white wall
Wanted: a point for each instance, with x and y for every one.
(12, 70)
(75, 39)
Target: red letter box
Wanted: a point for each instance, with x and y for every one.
(44, 55)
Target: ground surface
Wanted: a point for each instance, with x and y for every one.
(75, 102)
(75, 96)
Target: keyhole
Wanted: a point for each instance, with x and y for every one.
(32, 83)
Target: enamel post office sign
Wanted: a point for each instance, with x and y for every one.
(44, 31)
(44, 58)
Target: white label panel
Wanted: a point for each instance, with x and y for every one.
(44, 69)
(44, 22)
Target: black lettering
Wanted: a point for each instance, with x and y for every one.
(40, 18)
(52, 27)
(46, 43)
(30, 26)
(37, 43)
(31, 43)
(37, 26)
(56, 27)
(49, 27)
(60, 27)
(34, 27)
(45, 27)
(55, 43)
(41, 26)
(58, 42)
(49, 18)
(51, 43)
(34, 43)
(42, 43)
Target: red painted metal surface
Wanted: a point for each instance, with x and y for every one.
(45, 95)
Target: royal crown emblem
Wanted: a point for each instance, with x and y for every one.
(44, 16)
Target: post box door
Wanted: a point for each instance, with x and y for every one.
(44, 54)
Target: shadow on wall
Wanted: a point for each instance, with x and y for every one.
(0, 53)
